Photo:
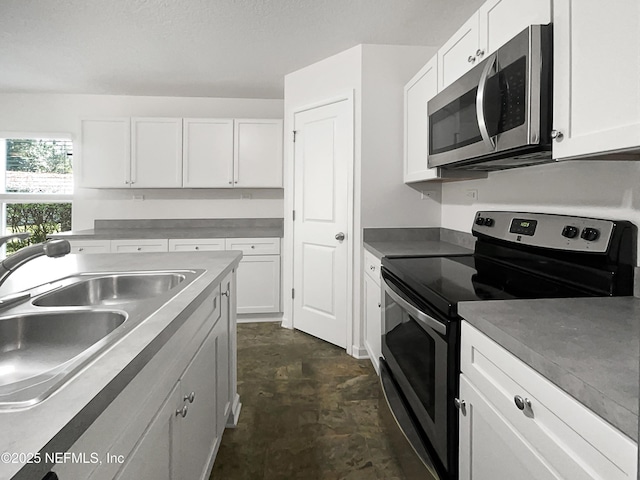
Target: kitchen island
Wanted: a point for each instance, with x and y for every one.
(132, 399)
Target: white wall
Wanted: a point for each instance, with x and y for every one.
(385, 200)
(601, 189)
(42, 113)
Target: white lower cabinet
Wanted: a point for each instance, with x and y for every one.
(371, 309)
(139, 245)
(90, 246)
(148, 434)
(258, 276)
(517, 424)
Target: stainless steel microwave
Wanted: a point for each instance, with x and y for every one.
(499, 114)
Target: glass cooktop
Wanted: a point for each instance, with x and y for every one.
(445, 281)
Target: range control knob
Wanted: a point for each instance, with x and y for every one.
(489, 222)
(480, 221)
(570, 231)
(590, 234)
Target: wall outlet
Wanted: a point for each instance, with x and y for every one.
(472, 194)
(245, 196)
(138, 198)
(427, 194)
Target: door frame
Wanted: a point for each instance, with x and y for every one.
(288, 320)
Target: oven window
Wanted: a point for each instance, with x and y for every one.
(415, 352)
(455, 125)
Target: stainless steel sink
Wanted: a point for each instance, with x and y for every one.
(52, 332)
(112, 289)
(31, 344)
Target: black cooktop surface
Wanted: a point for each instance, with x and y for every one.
(445, 281)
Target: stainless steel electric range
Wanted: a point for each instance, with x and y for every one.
(517, 256)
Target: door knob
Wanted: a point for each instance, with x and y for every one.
(340, 236)
(557, 135)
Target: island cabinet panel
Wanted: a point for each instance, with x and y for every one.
(537, 430)
(168, 422)
(595, 79)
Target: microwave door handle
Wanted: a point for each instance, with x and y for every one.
(482, 123)
(421, 317)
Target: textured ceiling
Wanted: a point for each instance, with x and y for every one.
(212, 48)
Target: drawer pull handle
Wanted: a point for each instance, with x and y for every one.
(523, 404)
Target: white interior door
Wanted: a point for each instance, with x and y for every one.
(323, 155)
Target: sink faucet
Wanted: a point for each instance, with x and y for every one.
(20, 236)
(52, 248)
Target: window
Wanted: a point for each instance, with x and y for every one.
(37, 186)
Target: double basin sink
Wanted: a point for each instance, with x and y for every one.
(55, 330)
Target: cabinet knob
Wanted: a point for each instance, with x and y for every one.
(479, 52)
(522, 403)
(471, 59)
(253, 246)
(190, 398)
(379, 305)
(182, 412)
(557, 135)
(81, 249)
(226, 294)
(197, 248)
(230, 182)
(139, 248)
(460, 405)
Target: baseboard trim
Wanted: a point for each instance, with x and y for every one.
(359, 353)
(256, 318)
(234, 416)
(374, 359)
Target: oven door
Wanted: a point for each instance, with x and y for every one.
(416, 350)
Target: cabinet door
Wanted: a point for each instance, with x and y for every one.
(460, 53)
(155, 455)
(258, 153)
(105, 153)
(259, 284)
(199, 430)
(501, 20)
(139, 246)
(90, 246)
(596, 70)
(373, 320)
(207, 153)
(156, 152)
(490, 448)
(417, 93)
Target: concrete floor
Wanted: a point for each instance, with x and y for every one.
(309, 411)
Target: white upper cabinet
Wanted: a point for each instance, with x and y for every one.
(501, 20)
(596, 70)
(258, 153)
(207, 153)
(417, 93)
(176, 153)
(156, 152)
(105, 152)
(495, 23)
(460, 53)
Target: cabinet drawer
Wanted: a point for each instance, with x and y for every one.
(90, 246)
(254, 246)
(139, 246)
(372, 266)
(576, 442)
(199, 244)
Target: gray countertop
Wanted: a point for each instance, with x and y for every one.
(55, 423)
(194, 232)
(589, 347)
(414, 247)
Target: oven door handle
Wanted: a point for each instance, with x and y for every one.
(421, 317)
